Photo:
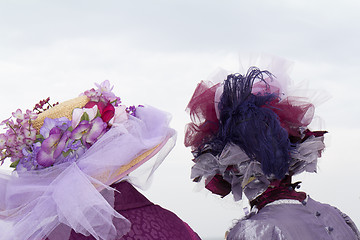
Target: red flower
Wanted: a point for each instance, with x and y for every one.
(107, 111)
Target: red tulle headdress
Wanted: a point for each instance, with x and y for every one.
(252, 135)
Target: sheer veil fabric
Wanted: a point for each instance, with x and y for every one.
(72, 195)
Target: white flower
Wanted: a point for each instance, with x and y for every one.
(78, 113)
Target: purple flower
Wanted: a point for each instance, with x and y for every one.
(52, 147)
(89, 132)
(62, 123)
(72, 145)
(97, 129)
(105, 90)
(61, 144)
(28, 160)
(82, 128)
(72, 154)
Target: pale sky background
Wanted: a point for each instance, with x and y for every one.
(155, 52)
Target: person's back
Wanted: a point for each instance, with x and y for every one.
(248, 136)
(292, 220)
(148, 221)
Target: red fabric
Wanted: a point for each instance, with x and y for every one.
(218, 185)
(203, 116)
(293, 113)
(277, 190)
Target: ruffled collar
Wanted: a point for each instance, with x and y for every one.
(278, 190)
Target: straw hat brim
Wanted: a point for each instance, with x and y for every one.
(124, 170)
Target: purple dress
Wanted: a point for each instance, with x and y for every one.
(148, 221)
(292, 220)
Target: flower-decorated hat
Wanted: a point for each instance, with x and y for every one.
(65, 156)
(247, 133)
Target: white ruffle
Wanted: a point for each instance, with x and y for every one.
(246, 174)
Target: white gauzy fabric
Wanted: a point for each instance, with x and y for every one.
(34, 203)
(305, 156)
(246, 174)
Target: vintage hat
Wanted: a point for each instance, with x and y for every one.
(65, 158)
(246, 132)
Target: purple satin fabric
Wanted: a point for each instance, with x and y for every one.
(148, 221)
(310, 220)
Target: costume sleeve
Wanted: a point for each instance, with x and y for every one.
(192, 234)
(350, 223)
(252, 230)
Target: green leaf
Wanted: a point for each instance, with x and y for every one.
(14, 164)
(65, 154)
(97, 114)
(85, 117)
(39, 136)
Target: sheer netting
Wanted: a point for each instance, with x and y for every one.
(202, 113)
(67, 196)
(252, 116)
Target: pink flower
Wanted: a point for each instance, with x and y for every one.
(105, 90)
(28, 141)
(3, 139)
(120, 115)
(18, 114)
(105, 86)
(20, 138)
(7, 121)
(11, 140)
(92, 94)
(107, 111)
(30, 115)
(16, 153)
(29, 132)
(2, 156)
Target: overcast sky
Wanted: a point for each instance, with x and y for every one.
(155, 52)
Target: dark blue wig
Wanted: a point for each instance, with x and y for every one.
(248, 121)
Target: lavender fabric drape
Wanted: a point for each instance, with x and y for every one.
(292, 220)
(148, 221)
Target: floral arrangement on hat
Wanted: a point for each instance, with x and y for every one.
(72, 153)
(60, 139)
